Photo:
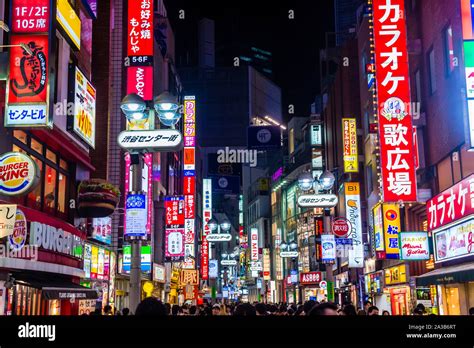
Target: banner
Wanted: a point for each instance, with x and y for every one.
(349, 137)
(391, 225)
(254, 244)
(207, 215)
(353, 214)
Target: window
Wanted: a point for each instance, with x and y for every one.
(445, 174)
(467, 161)
(432, 70)
(38, 147)
(449, 50)
(33, 199)
(20, 135)
(418, 86)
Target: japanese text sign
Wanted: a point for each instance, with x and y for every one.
(174, 243)
(30, 16)
(349, 137)
(174, 210)
(391, 226)
(414, 246)
(140, 28)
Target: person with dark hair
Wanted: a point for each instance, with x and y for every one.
(125, 311)
(299, 310)
(349, 309)
(361, 312)
(471, 311)
(108, 310)
(367, 304)
(373, 310)
(151, 306)
(245, 309)
(261, 309)
(193, 310)
(175, 310)
(308, 305)
(216, 309)
(385, 313)
(419, 309)
(97, 311)
(325, 308)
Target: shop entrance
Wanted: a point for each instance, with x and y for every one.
(399, 300)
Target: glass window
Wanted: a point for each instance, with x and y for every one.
(432, 70)
(34, 197)
(62, 193)
(51, 156)
(467, 160)
(37, 146)
(449, 50)
(445, 174)
(63, 164)
(50, 188)
(20, 135)
(17, 149)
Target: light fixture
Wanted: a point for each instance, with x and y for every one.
(212, 223)
(305, 181)
(283, 245)
(225, 225)
(166, 106)
(224, 255)
(327, 180)
(133, 106)
(293, 245)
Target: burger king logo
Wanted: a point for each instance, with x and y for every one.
(18, 238)
(18, 174)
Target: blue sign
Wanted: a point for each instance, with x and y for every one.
(189, 173)
(343, 241)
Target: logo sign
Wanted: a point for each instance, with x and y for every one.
(414, 246)
(158, 140)
(17, 240)
(351, 156)
(27, 85)
(19, 174)
(229, 262)
(289, 253)
(219, 237)
(55, 239)
(353, 214)
(454, 242)
(310, 278)
(136, 215)
(174, 243)
(392, 226)
(254, 244)
(317, 201)
(323, 284)
(145, 258)
(328, 247)
(84, 108)
(30, 16)
(451, 205)
(140, 81)
(341, 227)
(393, 93)
(264, 137)
(69, 21)
(7, 219)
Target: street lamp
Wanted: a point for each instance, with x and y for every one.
(166, 106)
(305, 181)
(327, 180)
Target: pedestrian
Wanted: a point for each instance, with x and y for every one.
(361, 312)
(373, 310)
(216, 309)
(245, 309)
(193, 310)
(175, 310)
(151, 306)
(108, 310)
(385, 313)
(300, 310)
(471, 311)
(308, 305)
(367, 304)
(125, 311)
(419, 309)
(261, 309)
(349, 309)
(325, 308)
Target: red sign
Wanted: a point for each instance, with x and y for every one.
(189, 156)
(205, 259)
(140, 81)
(189, 207)
(318, 226)
(310, 278)
(174, 210)
(30, 16)
(140, 28)
(189, 185)
(28, 81)
(452, 204)
(395, 126)
(341, 227)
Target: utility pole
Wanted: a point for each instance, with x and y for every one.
(329, 274)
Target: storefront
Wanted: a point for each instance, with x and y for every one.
(309, 286)
(159, 280)
(345, 291)
(41, 266)
(451, 284)
(397, 288)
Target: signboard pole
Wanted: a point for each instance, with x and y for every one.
(135, 267)
(327, 229)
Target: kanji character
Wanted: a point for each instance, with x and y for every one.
(400, 183)
(399, 162)
(394, 134)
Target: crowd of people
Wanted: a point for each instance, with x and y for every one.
(154, 307)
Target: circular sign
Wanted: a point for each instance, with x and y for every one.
(148, 287)
(18, 238)
(323, 284)
(391, 215)
(223, 183)
(341, 227)
(264, 136)
(18, 174)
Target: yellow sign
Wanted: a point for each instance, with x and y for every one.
(350, 152)
(395, 275)
(94, 259)
(148, 288)
(351, 188)
(189, 277)
(379, 237)
(391, 226)
(69, 21)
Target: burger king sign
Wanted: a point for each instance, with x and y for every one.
(18, 174)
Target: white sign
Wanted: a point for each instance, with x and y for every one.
(256, 266)
(328, 246)
(317, 201)
(151, 140)
(7, 219)
(414, 246)
(136, 215)
(54, 239)
(229, 262)
(316, 131)
(159, 273)
(454, 242)
(353, 214)
(323, 284)
(84, 108)
(189, 262)
(289, 254)
(253, 244)
(26, 115)
(213, 269)
(219, 237)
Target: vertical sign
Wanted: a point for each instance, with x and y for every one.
(391, 226)
(328, 246)
(175, 232)
(468, 46)
(207, 215)
(266, 264)
(189, 182)
(393, 92)
(353, 214)
(379, 238)
(254, 244)
(351, 156)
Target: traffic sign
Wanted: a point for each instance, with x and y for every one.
(341, 227)
(158, 140)
(317, 201)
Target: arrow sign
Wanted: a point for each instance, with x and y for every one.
(158, 140)
(317, 201)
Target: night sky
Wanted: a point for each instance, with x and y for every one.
(295, 43)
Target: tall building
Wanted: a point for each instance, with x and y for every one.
(345, 12)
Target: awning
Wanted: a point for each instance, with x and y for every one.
(447, 275)
(54, 287)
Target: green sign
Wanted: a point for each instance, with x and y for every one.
(330, 290)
